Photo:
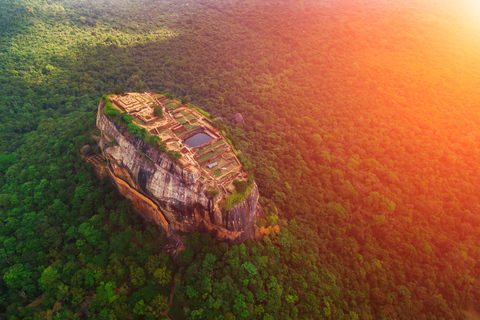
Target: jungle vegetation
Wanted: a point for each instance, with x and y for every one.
(361, 128)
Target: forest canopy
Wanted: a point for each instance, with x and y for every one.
(361, 128)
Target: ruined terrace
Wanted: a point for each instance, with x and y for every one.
(188, 130)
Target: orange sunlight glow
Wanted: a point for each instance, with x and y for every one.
(476, 8)
(468, 35)
(472, 11)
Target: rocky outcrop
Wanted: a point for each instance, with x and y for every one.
(238, 118)
(166, 194)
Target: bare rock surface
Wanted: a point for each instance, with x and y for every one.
(238, 118)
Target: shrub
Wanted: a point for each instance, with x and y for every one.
(205, 113)
(158, 111)
(127, 118)
(212, 193)
(109, 109)
(152, 140)
(232, 200)
(174, 155)
(240, 186)
(133, 128)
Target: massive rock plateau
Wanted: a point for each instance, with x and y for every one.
(165, 193)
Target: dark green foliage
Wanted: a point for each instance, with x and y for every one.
(118, 90)
(67, 252)
(174, 155)
(63, 233)
(153, 140)
(135, 129)
(360, 121)
(127, 118)
(109, 109)
(240, 186)
(255, 279)
(212, 193)
(158, 111)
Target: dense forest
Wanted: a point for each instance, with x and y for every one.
(361, 129)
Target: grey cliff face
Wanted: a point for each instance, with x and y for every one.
(166, 194)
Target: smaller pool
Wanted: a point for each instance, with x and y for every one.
(198, 140)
